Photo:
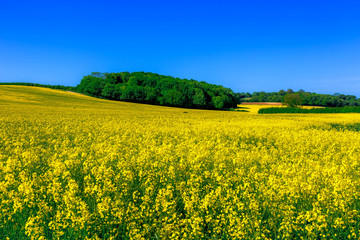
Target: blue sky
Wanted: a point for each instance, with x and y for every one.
(245, 45)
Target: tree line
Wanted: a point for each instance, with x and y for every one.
(152, 88)
(346, 109)
(59, 87)
(307, 98)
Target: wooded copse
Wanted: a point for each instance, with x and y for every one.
(346, 109)
(152, 88)
(308, 98)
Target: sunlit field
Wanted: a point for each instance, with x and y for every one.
(254, 108)
(76, 167)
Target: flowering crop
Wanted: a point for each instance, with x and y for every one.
(75, 167)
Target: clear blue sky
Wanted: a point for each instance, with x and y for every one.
(245, 45)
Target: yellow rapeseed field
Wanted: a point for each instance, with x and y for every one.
(76, 167)
(254, 108)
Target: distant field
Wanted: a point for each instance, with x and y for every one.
(261, 103)
(255, 107)
(77, 167)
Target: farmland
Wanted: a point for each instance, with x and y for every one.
(76, 167)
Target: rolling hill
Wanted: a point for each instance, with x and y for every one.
(78, 167)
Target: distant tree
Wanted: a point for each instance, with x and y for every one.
(282, 92)
(151, 95)
(199, 98)
(139, 93)
(262, 97)
(219, 102)
(289, 91)
(113, 78)
(134, 81)
(309, 99)
(248, 95)
(125, 76)
(98, 75)
(293, 100)
(173, 97)
(91, 85)
(109, 91)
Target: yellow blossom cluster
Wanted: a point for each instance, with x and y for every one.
(75, 167)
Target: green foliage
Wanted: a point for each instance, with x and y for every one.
(293, 99)
(313, 110)
(199, 98)
(157, 89)
(109, 91)
(241, 97)
(174, 98)
(289, 91)
(309, 99)
(219, 102)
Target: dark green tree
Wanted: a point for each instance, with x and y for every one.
(219, 102)
(173, 97)
(109, 91)
(289, 91)
(199, 98)
(293, 100)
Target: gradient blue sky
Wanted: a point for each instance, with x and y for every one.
(245, 45)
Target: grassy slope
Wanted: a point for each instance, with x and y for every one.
(58, 100)
(13, 96)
